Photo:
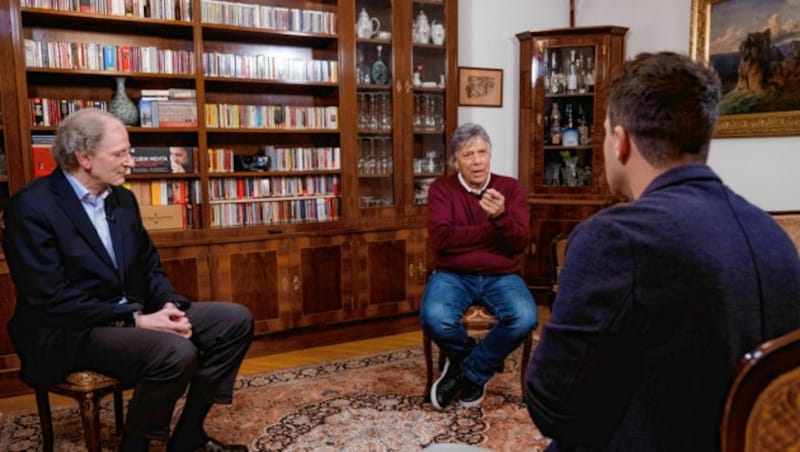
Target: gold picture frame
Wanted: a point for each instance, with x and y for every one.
(480, 87)
(778, 122)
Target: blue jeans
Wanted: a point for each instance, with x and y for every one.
(447, 295)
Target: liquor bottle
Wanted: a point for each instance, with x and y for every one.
(580, 67)
(589, 75)
(546, 77)
(555, 125)
(572, 74)
(555, 82)
(583, 127)
(569, 136)
(379, 71)
(547, 139)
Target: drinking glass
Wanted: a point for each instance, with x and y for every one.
(386, 110)
(418, 123)
(374, 111)
(363, 110)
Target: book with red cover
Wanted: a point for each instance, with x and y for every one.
(43, 163)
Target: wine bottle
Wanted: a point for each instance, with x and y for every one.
(572, 74)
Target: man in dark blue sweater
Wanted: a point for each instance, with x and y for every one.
(660, 297)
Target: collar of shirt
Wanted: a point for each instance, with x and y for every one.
(84, 194)
(478, 192)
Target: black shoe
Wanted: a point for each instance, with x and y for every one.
(472, 394)
(215, 446)
(446, 388)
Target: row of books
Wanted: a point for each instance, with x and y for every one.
(270, 67)
(163, 192)
(277, 186)
(270, 17)
(221, 160)
(167, 113)
(153, 9)
(272, 116)
(312, 210)
(107, 57)
(49, 112)
(168, 204)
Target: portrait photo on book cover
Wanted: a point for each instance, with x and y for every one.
(163, 159)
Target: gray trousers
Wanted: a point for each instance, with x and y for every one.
(160, 365)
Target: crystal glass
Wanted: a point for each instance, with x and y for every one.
(386, 110)
(374, 111)
(363, 110)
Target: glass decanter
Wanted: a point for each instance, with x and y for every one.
(379, 71)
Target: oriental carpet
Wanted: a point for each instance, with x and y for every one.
(367, 403)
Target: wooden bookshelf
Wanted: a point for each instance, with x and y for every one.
(298, 272)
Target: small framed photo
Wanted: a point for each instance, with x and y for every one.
(480, 87)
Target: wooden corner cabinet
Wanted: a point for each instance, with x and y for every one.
(565, 77)
(310, 131)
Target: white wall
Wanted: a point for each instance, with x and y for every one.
(760, 169)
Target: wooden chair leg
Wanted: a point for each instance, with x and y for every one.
(526, 356)
(45, 418)
(428, 349)
(119, 420)
(90, 417)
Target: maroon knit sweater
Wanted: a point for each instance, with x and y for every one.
(465, 238)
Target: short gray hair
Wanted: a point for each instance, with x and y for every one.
(79, 132)
(464, 134)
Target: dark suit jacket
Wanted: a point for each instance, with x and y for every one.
(65, 280)
(658, 300)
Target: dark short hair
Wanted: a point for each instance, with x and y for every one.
(668, 103)
(81, 131)
(463, 134)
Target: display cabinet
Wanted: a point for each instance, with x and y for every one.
(406, 73)
(565, 77)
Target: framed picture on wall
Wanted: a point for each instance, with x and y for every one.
(755, 48)
(480, 87)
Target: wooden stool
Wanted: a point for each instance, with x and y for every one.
(478, 321)
(88, 388)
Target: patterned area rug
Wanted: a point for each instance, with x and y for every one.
(369, 403)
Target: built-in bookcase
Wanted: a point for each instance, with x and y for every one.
(290, 207)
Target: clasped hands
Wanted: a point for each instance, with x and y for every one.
(169, 318)
(493, 202)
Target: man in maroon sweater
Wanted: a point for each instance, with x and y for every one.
(478, 224)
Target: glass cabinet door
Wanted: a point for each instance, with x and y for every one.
(569, 109)
(375, 103)
(428, 78)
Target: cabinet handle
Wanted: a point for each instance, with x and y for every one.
(398, 87)
(408, 87)
(538, 119)
(421, 269)
(411, 270)
(296, 283)
(285, 284)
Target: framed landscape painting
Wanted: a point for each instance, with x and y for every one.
(755, 47)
